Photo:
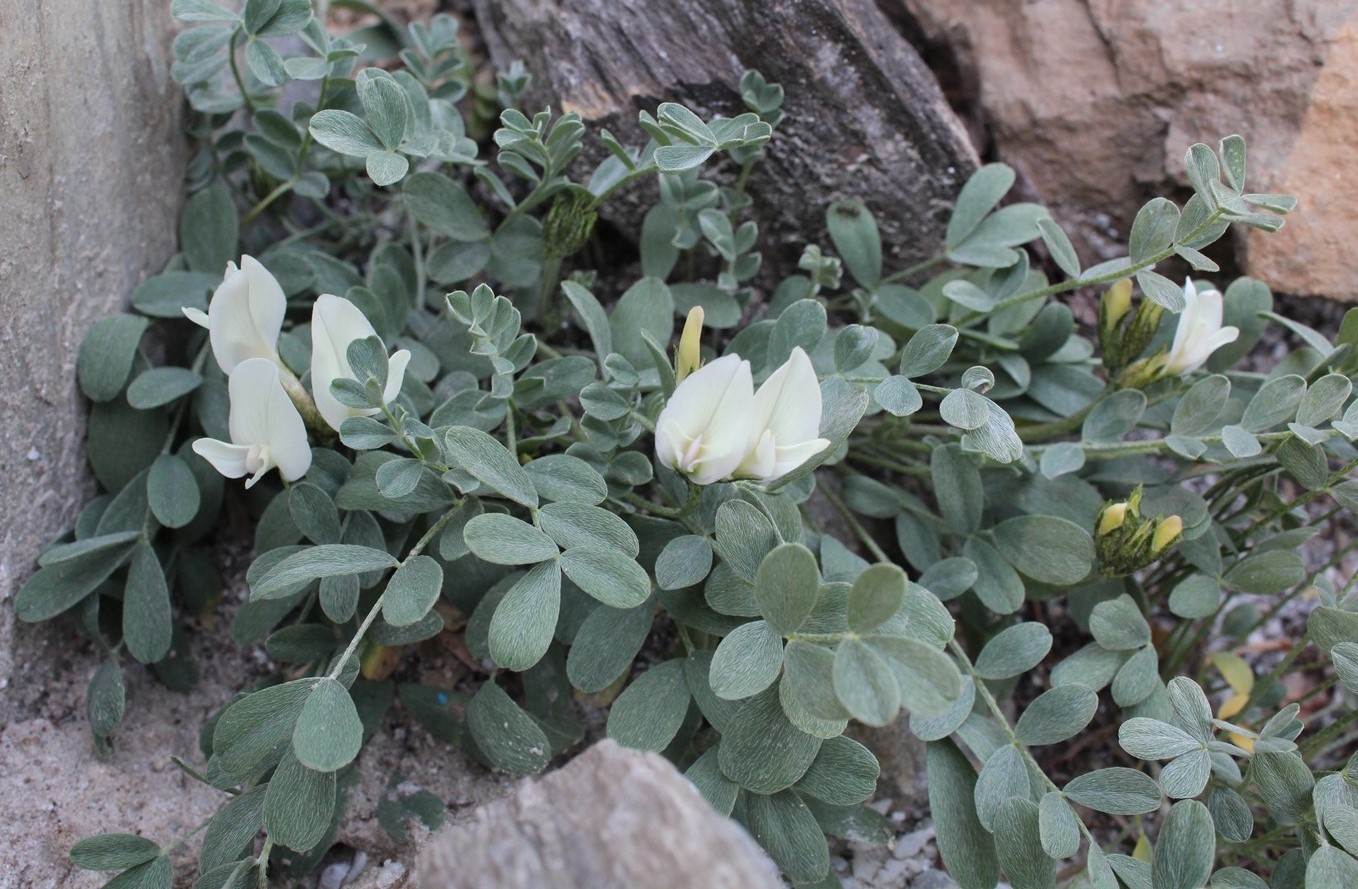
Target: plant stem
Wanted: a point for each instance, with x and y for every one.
(1106, 278)
(417, 252)
(852, 521)
(235, 72)
(279, 190)
(994, 707)
(377, 606)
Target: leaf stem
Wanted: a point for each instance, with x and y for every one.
(377, 605)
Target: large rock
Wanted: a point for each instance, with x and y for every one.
(865, 117)
(91, 161)
(609, 818)
(1096, 102)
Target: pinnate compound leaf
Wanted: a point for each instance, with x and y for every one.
(1058, 825)
(314, 563)
(505, 733)
(1057, 714)
(865, 684)
(412, 591)
(521, 628)
(760, 749)
(786, 828)
(747, 661)
(299, 804)
(1014, 650)
(786, 586)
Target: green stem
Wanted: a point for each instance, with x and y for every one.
(852, 521)
(994, 707)
(371, 616)
(235, 72)
(910, 271)
(1106, 278)
(279, 190)
(417, 252)
(1044, 431)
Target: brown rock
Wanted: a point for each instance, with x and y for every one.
(1096, 101)
(865, 117)
(609, 818)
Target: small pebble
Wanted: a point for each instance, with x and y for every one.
(333, 876)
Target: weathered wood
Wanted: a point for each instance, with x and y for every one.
(865, 119)
(609, 817)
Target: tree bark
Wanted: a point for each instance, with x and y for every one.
(865, 117)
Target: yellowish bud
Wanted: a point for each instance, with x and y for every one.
(1117, 301)
(1112, 518)
(1166, 533)
(689, 354)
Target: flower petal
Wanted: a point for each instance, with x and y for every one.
(695, 399)
(791, 456)
(197, 316)
(228, 459)
(234, 331)
(335, 322)
(796, 412)
(286, 441)
(268, 304)
(396, 374)
(250, 386)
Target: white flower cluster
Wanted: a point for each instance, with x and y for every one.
(716, 426)
(243, 320)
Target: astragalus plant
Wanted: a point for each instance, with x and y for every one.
(845, 493)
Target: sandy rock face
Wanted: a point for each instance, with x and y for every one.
(1096, 101)
(609, 817)
(91, 156)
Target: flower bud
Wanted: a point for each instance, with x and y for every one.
(689, 354)
(1167, 533)
(1112, 518)
(1200, 331)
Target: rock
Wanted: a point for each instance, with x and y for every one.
(611, 817)
(1095, 102)
(91, 161)
(865, 117)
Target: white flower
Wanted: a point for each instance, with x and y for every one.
(785, 424)
(266, 430)
(245, 315)
(335, 323)
(1199, 333)
(704, 430)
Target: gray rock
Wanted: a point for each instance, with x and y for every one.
(609, 818)
(865, 116)
(91, 167)
(91, 162)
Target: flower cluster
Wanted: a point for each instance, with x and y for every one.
(243, 321)
(716, 426)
